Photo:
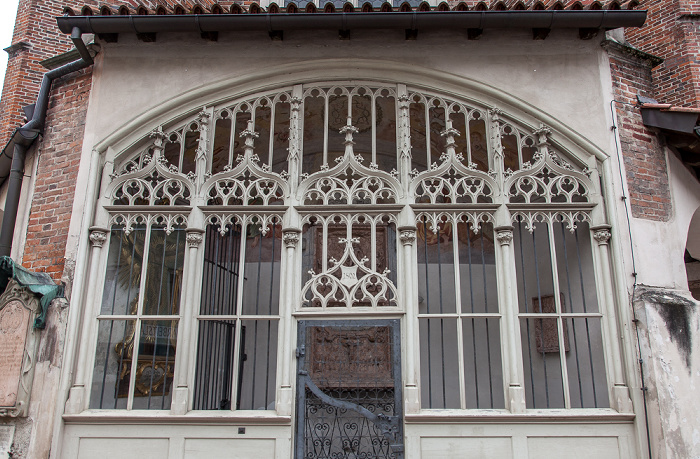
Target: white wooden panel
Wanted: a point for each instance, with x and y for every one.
(207, 448)
(573, 447)
(123, 448)
(466, 447)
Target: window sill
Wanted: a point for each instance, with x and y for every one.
(247, 417)
(593, 416)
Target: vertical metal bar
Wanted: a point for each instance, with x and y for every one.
(227, 366)
(471, 299)
(427, 310)
(442, 322)
(539, 303)
(427, 135)
(571, 307)
(111, 326)
(560, 323)
(235, 395)
(458, 308)
(374, 101)
(326, 127)
(588, 335)
(137, 330)
(527, 321)
(269, 322)
(271, 143)
(467, 135)
(486, 302)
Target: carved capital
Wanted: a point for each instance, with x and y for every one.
(601, 234)
(504, 235)
(158, 136)
(249, 135)
(295, 102)
(98, 236)
(543, 134)
(194, 237)
(290, 237)
(204, 117)
(407, 235)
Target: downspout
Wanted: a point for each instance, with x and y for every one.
(23, 138)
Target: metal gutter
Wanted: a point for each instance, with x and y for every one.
(203, 23)
(12, 165)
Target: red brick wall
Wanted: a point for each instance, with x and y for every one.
(59, 158)
(671, 32)
(643, 155)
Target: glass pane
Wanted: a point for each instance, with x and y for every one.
(337, 118)
(263, 118)
(436, 270)
(213, 381)
(155, 366)
(220, 274)
(110, 384)
(280, 142)
(257, 368)
(509, 142)
(575, 267)
(477, 268)
(262, 270)
(478, 142)
(222, 143)
(437, 126)
(362, 120)
(171, 150)
(314, 127)
(242, 119)
(585, 364)
(542, 364)
(533, 266)
(438, 360)
(123, 277)
(190, 154)
(386, 133)
(419, 159)
(483, 376)
(462, 146)
(164, 276)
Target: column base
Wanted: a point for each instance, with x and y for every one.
(180, 401)
(621, 399)
(411, 399)
(284, 401)
(76, 398)
(516, 399)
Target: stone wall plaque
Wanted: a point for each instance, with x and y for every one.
(7, 434)
(547, 330)
(350, 358)
(18, 346)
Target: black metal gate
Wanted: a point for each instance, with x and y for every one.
(349, 402)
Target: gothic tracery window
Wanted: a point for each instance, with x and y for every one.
(404, 201)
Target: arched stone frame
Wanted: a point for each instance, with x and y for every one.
(563, 137)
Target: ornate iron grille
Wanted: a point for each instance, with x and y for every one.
(349, 390)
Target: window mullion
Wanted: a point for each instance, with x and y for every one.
(458, 309)
(181, 399)
(558, 308)
(508, 302)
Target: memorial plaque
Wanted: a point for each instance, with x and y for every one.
(547, 330)
(14, 319)
(7, 434)
(350, 358)
(18, 347)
